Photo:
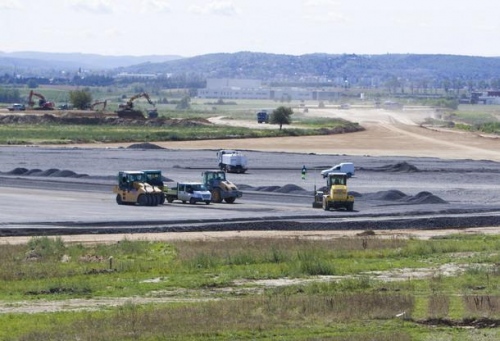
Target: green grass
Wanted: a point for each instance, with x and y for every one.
(50, 133)
(356, 306)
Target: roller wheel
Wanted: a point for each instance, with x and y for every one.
(230, 200)
(170, 199)
(162, 199)
(119, 200)
(155, 200)
(326, 207)
(216, 196)
(143, 200)
(207, 202)
(350, 206)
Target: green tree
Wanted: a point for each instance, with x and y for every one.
(281, 115)
(184, 103)
(32, 84)
(80, 99)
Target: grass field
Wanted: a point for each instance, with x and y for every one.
(214, 289)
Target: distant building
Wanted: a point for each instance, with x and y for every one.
(224, 88)
(485, 97)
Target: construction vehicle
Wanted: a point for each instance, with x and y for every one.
(155, 178)
(191, 192)
(132, 188)
(220, 188)
(263, 116)
(335, 194)
(232, 161)
(43, 104)
(95, 104)
(127, 110)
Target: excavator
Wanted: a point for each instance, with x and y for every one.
(104, 103)
(127, 110)
(43, 104)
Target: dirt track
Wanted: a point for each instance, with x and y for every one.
(388, 133)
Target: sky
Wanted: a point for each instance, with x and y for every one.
(195, 27)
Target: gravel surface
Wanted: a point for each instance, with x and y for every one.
(407, 176)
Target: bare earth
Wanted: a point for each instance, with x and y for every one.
(388, 133)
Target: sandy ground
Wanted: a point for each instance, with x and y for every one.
(387, 133)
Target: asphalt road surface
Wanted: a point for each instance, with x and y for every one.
(69, 191)
(407, 177)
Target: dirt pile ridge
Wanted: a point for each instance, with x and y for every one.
(401, 198)
(52, 172)
(400, 167)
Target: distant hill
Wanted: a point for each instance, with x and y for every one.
(354, 68)
(361, 70)
(45, 60)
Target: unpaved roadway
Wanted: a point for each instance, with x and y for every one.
(387, 133)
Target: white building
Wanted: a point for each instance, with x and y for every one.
(224, 88)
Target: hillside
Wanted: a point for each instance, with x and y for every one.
(354, 68)
(50, 61)
(361, 70)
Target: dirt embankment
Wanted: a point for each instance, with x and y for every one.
(97, 119)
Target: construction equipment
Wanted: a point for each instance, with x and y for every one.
(191, 192)
(263, 116)
(335, 194)
(155, 178)
(232, 161)
(95, 104)
(220, 187)
(127, 110)
(133, 189)
(43, 104)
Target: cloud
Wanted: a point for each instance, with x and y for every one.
(156, 6)
(224, 8)
(10, 5)
(323, 11)
(113, 33)
(92, 6)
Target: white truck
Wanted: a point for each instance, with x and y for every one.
(191, 192)
(232, 161)
(344, 167)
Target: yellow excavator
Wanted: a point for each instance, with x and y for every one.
(127, 110)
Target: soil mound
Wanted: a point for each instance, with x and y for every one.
(400, 167)
(85, 118)
(52, 172)
(425, 198)
(390, 195)
(145, 145)
(17, 171)
(289, 188)
(402, 198)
